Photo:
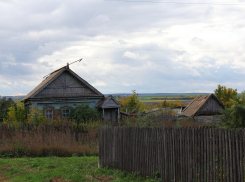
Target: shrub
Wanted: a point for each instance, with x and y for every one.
(233, 117)
(83, 113)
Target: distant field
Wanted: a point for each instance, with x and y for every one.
(153, 99)
(141, 100)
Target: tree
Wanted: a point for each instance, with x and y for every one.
(225, 95)
(83, 113)
(16, 114)
(5, 104)
(233, 117)
(130, 102)
(36, 116)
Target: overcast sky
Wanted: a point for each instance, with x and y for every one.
(150, 47)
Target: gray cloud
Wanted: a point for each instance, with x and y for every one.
(144, 46)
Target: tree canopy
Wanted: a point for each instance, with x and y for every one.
(5, 104)
(225, 95)
(130, 102)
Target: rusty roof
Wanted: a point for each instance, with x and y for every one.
(197, 103)
(54, 75)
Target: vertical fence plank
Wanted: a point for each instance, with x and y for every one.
(198, 155)
(234, 155)
(181, 154)
(230, 156)
(224, 154)
(241, 154)
(211, 155)
(237, 156)
(165, 154)
(227, 155)
(221, 155)
(173, 156)
(204, 154)
(185, 169)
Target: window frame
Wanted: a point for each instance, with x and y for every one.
(65, 109)
(52, 114)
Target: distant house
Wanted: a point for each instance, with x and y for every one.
(204, 108)
(64, 89)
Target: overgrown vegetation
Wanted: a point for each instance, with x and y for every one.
(30, 140)
(234, 116)
(225, 95)
(55, 169)
(83, 113)
(162, 120)
(16, 113)
(130, 102)
(5, 104)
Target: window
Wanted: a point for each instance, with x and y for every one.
(65, 112)
(49, 114)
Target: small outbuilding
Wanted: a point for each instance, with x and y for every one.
(204, 108)
(110, 108)
(64, 89)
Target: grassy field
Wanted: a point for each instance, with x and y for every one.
(183, 98)
(56, 169)
(156, 101)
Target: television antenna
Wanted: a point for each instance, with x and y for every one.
(79, 60)
(67, 66)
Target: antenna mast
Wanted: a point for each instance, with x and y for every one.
(79, 60)
(67, 66)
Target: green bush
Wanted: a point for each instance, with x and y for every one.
(233, 117)
(83, 113)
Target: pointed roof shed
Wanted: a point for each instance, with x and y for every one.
(109, 102)
(203, 105)
(63, 83)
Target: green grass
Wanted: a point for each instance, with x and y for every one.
(61, 169)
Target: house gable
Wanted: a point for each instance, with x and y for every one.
(211, 107)
(67, 85)
(203, 105)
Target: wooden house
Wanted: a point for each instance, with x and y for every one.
(204, 108)
(63, 89)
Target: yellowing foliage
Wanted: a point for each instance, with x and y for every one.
(170, 104)
(225, 95)
(130, 102)
(16, 115)
(36, 116)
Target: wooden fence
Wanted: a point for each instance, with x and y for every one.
(177, 154)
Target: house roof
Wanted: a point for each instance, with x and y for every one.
(51, 77)
(108, 102)
(197, 103)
